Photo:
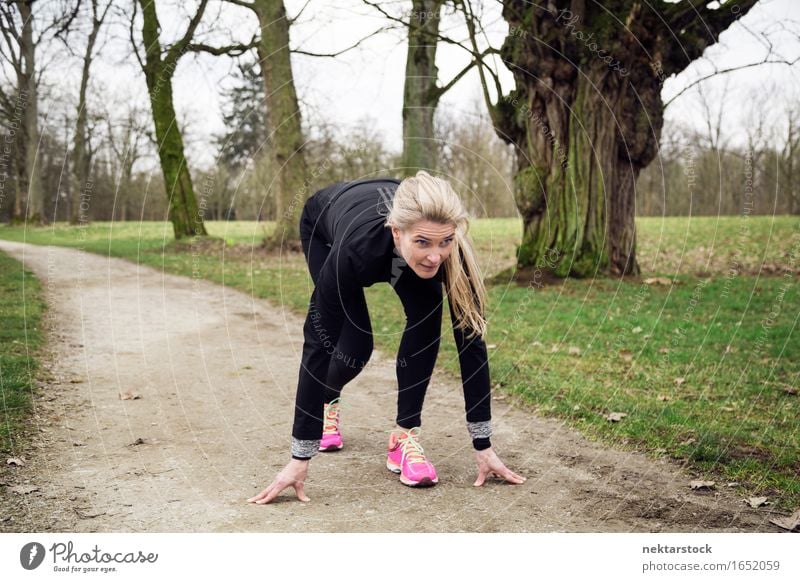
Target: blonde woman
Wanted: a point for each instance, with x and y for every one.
(412, 235)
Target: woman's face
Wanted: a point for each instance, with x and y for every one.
(425, 246)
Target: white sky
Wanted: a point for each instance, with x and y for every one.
(367, 83)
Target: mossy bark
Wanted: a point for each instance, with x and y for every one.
(184, 212)
(586, 117)
(290, 188)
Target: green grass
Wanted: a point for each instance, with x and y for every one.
(702, 371)
(21, 308)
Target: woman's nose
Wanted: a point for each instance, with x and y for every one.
(434, 259)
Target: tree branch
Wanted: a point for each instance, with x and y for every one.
(336, 54)
(177, 49)
(233, 50)
(241, 3)
(766, 61)
(133, 40)
(296, 16)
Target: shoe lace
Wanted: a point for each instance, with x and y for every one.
(412, 450)
(331, 417)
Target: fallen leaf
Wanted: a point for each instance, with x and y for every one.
(755, 502)
(574, 351)
(129, 395)
(791, 523)
(702, 485)
(637, 329)
(23, 489)
(626, 355)
(679, 381)
(615, 416)
(14, 462)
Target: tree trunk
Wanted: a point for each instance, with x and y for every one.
(186, 217)
(31, 199)
(420, 95)
(291, 189)
(81, 153)
(586, 117)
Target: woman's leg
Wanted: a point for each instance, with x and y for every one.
(355, 341)
(353, 350)
(419, 347)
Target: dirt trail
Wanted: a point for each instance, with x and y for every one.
(217, 369)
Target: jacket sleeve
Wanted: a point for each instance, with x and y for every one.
(474, 363)
(326, 316)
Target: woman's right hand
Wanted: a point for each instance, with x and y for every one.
(293, 475)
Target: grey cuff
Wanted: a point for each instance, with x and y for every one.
(480, 430)
(304, 449)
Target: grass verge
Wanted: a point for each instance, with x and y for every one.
(21, 309)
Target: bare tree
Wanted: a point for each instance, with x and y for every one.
(82, 147)
(159, 67)
(19, 99)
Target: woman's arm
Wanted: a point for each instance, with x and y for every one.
(474, 362)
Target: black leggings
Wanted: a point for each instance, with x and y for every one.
(419, 346)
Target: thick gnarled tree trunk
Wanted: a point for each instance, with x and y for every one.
(586, 118)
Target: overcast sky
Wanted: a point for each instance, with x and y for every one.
(366, 84)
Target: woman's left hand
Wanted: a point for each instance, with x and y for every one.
(490, 463)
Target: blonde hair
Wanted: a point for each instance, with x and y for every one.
(425, 197)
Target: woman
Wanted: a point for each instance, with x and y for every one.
(413, 235)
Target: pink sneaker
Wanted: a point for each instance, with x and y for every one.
(405, 456)
(331, 437)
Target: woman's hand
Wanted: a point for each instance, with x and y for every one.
(489, 462)
(293, 475)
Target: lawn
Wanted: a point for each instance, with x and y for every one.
(702, 361)
(21, 308)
